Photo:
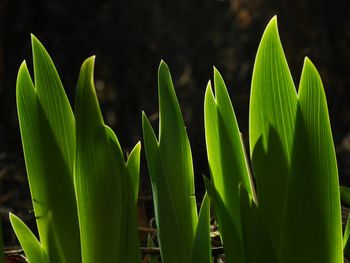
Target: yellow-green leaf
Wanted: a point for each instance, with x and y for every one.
(311, 230)
(32, 248)
(48, 137)
(271, 127)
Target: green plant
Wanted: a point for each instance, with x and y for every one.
(182, 238)
(84, 193)
(296, 212)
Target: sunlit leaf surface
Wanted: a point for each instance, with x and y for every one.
(101, 180)
(312, 220)
(271, 127)
(35, 253)
(226, 156)
(48, 137)
(171, 170)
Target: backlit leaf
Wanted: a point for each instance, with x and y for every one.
(312, 220)
(32, 248)
(227, 161)
(47, 131)
(271, 127)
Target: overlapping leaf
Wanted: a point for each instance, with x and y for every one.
(311, 230)
(48, 137)
(234, 250)
(35, 253)
(102, 182)
(226, 156)
(271, 128)
(171, 170)
(256, 241)
(171, 241)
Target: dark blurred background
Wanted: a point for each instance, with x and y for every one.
(131, 37)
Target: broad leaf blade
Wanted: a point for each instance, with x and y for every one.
(312, 218)
(176, 154)
(273, 95)
(228, 165)
(100, 176)
(32, 248)
(46, 154)
(175, 169)
(271, 125)
(201, 250)
(230, 236)
(171, 240)
(54, 102)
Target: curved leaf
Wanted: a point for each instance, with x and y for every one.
(312, 219)
(47, 131)
(100, 176)
(170, 238)
(32, 248)
(228, 165)
(176, 169)
(273, 103)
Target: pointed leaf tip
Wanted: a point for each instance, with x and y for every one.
(308, 65)
(89, 63)
(36, 44)
(271, 28)
(163, 67)
(23, 65)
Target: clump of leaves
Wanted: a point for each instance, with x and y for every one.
(84, 193)
(295, 215)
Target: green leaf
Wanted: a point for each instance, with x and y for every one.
(270, 168)
(133, 166)
(229, 234)
(273, 95)
(201, 250)
(273, 104)
(100, 177)
(33, 250)
(312, 220)
(129, 231)
(227, 162)
(171, 240)
(257, 244)
(175, 169)
(47, 130)
(346, 243)
(176, 154)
